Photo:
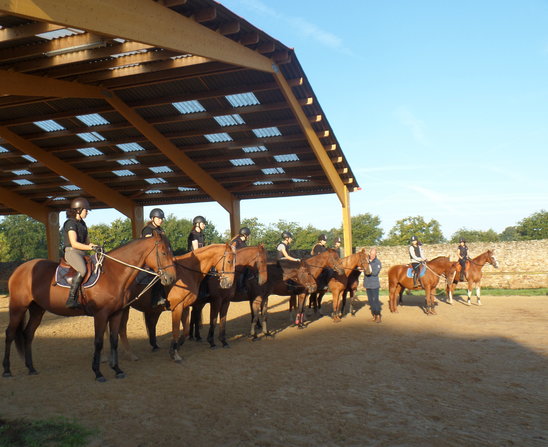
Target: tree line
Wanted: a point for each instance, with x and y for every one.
(22, 237)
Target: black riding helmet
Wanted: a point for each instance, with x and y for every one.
(287, 234)
(244, 231)
(199, 219)
(462, 240)
(337, 239)
(414, 238)
(80, 203)
(156, 212)
(322, 237)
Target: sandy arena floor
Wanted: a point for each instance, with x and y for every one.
(470, 376)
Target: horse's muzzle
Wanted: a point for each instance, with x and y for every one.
(166, 278)
(226, 282)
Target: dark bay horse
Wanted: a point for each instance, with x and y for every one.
(190, 270)
(435, 269)
(250, 261)
(321, 267)
(295, 278)
(32, 288)
(347, 282)
(473, 275)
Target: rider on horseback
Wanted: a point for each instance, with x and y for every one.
(153, 227)
(337, 246)
(462, 253)
(75, 242)
(196, 239)
(417, 258)
(320, 246)
(284, 246)
(240, 241)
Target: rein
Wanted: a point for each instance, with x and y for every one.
(439, 276)
(210, 273)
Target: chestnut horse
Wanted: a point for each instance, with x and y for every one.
(190, 270)
(295, 278)
(32, 287)
(321, 267)
(473, 275)
(251, 258)
(435, 269)
(340, 285)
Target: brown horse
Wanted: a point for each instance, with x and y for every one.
(321, 268)
(473, 275)
(32, 287)
(437, 268)
(340, 285)
(295, 278)
(190, 270)
(251, 261)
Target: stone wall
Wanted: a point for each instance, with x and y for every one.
(522, 265)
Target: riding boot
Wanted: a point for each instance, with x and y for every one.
(415, 279)
(72, 301)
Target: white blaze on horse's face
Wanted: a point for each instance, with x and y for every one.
(494, 263)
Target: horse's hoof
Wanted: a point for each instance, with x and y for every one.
(155, 348)
(479, 303)
(121, 375)
(7, 374)
(226, 346)
(212, 347)
(33, 372)
(100, 379)
(254, 338)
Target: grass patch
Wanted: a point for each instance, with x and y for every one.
(485, 291)
(53, 432)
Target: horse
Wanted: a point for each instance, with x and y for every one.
(252, 258)
(190, 270)
(473, 275)
(321, 267)
(32, 287)
(398, 281)
(294, 278)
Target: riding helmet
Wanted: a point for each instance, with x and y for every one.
(462, 240)
(322, 237)
(244, 231)
(80, 203)
(157, 212)
(337, 239)
(287, 234)
(414, 238)
(199, 219)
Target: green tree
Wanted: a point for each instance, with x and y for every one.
(25, 238)
(118, 233)
(4, 248)
(427, 232)
(534, 227)
(366, 230)
(510, 234)
(475, 236)
(177, 231)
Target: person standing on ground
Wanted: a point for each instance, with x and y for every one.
(372, 285)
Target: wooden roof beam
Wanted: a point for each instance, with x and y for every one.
(25, 31)
(138, 21)
(228, 28)
(23, 205)
(205, 15)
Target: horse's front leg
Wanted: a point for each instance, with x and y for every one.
(176, 313)
(300, 310)
(114, 326)
(264, 317)
(214, 308)
(36, 314)
(123, 335)
(100, 323)
(469, 294)
(222, 322)
(255, 305)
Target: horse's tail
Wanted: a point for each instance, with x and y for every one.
(20, 337)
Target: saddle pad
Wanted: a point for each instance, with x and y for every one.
(421, 274)
(61, 272)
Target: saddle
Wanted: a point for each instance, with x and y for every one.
(64, 273)
(421, 273)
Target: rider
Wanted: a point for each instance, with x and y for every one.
(320, 246)
(196, 239)
(337, 246)
(284, 246)
(417, 258)
(152, 228)
(75, 242)
(240, 241)
(462, 253)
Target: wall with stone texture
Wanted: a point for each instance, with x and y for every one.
(522, 265)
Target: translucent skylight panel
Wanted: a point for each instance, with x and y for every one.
(123, 173)
(300, 180)
(89, 151)
(186, 188)
(186, 107)
(218, 137)
(3, 149)
(129, 53)
(59, 198)
(229, 120)
(131, 147)
(271, 171)
(267, 132)
(29, 158)
(242, 162)
(92, 119)
(155, 181)
(91, 137)
(161, 169)
(70, 187)
(119, 39)
(153, 191)
(21, 172)
(242, 99)
(49, 125)
(250, 149)
(285, 158)
(180, 56)
(263, 182)
(23, 182)
(64, 32)
(127, 162)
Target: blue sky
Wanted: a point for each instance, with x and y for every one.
(440, 107)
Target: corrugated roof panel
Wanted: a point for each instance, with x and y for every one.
(242, 162)
(271, 171)
(242, 99)
(130, 147)
(49, 125)
(286, 158)
(155, 181)
(160, 169)
(30, 158)
(229, 120)
(21, 172)
(186, 107)
(90, 151)
(128, 161)
(3, 149)
(92, 119)
(23, 182)
(251, 149)
(218, 137)
(267, 132)
(70, 187)
(123, 173)
(91, 137)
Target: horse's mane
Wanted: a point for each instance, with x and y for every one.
(439, 258)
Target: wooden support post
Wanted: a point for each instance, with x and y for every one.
(53, 235)
(347, 223)
(137, 221)
(235, 217)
